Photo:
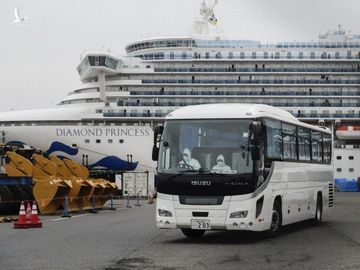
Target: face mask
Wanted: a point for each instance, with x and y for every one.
(185, 158)
(220, 163)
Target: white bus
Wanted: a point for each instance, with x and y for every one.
(240, 167)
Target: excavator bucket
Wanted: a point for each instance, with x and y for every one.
(108, 189)
(50, 194)
(62, 170)
(17, 166)
(81, 191)
(76, 169)
(43, 168)
(97, 191)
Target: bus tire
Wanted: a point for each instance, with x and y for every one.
(318, 211)
(276, 220)
(193, 233)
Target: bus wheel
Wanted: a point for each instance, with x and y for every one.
(318, 212)
(276, 221)
(193, 233)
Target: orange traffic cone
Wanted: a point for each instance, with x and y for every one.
(35, 220)
(21, 222)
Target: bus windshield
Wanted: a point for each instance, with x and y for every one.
(214, 146)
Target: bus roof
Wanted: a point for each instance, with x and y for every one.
(236, 111)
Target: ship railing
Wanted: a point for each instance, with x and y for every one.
(253, 81)
(259, 69)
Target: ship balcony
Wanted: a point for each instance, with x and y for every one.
(254, 92)
(259, 69)
(254, 81)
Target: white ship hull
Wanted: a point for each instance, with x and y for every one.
(108, 147)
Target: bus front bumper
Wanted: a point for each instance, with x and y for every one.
(182, 216)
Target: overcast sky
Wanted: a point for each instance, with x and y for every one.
(38, 62)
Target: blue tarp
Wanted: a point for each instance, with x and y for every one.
(346, 185)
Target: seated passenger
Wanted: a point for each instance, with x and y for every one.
(188, 162)
(221, 167)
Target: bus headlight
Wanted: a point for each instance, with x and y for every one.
(239, 214)
(164, 213)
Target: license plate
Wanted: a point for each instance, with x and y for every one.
(200, 224)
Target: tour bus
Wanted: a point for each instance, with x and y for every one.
(240, 167)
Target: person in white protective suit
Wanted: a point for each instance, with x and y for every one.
(188, 161)
(220, 166)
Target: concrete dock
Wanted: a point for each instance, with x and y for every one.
(128, 239)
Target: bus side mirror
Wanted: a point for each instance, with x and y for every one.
(155, 153)
(157, 136)
(255, 129)
(255, 152)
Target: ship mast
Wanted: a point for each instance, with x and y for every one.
(207, 17)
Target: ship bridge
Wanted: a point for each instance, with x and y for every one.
(94, 63)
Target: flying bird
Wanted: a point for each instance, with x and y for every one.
(18, 18)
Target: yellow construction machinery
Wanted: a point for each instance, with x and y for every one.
(82, 189)
(54, 179)
(49, 190)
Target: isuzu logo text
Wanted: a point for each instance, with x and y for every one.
(200, 183)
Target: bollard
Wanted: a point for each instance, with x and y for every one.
(128, 201)
(66, 213)
(93, 210)
(138, 200)
(112, 202)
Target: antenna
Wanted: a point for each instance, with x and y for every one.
(207, 15)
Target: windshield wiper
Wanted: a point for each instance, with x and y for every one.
(202, 171)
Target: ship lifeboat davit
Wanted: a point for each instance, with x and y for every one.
(348, 132)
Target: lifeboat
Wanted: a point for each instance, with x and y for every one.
(348, 132)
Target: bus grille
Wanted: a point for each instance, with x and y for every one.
(331, 195)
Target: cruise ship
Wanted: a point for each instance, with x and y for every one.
(108, 122)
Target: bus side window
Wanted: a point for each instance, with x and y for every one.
(273, 139)
(327, 147)
(316, 143)
(304, 144)
(289, 141)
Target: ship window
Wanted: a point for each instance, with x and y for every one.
(253, 55)
(98, 141)
(121, 141)
(312, 55)
(110, 141)
(338, 157)
(87, 141)
(351, 157)
(339, 170)
(351, 169)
